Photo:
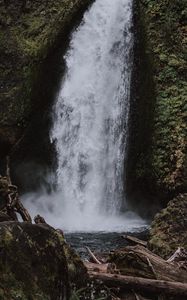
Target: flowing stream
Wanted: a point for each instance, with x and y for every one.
(90, 124)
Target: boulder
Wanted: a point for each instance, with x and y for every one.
(33, 263)
(169, 228)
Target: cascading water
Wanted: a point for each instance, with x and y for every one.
(91, 122)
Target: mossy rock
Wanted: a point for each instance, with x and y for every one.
(169, 228)
(76, 269)
(36, 263)
(32, 262)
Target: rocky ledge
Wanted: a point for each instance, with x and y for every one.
(169, 228)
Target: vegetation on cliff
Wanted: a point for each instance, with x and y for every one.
(162, 160)
(29, 31)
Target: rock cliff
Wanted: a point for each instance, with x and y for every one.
(158, 144)
(29, 32)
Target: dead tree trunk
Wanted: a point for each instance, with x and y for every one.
(142, 284)
(134, 240)
(139, 261)
(11, 202)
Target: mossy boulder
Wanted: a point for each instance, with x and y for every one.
(76, 269)
(29, 32)
(35, 262)
(169, 228)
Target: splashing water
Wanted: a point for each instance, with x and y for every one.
(90, 124)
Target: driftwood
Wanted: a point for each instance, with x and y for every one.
(139, 261)
(141, 284)
(94, 258)
(134, 240)
(179, 258)
(152, 268)
(93, 267)
(180, 254)
(10, 198)
(134, 273)
(134, 270)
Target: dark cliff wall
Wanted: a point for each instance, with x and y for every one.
(30, 31)
(158, 156)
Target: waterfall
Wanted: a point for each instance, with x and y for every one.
(90, 120)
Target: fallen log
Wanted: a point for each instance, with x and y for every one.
(135, 240)
(93, 267)
(139, 261)
(11, 204)
(141, 284)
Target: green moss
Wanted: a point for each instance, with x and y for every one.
(168, 230)
(8, 237)
(30, 267)
(34, 30)
(165, 164)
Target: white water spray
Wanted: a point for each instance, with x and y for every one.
(91, 122)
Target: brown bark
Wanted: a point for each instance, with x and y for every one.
(23, 211)
(93, 267)
(142, 284)
(139, 261)
(134, 240)
(92, 255)
(11, 202)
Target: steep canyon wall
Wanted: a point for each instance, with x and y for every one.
(158, 160)
(30, 32)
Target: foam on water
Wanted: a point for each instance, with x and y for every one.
(76, 221)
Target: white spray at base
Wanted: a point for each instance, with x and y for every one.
(90, 125)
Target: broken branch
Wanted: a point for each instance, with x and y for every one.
(93, 256)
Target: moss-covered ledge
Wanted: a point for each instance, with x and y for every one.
(169, 228)
(160, 159)
(29, 32)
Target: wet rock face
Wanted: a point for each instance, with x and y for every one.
(32, 262)
(160, 163)
(34, 30)
(169, 228)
